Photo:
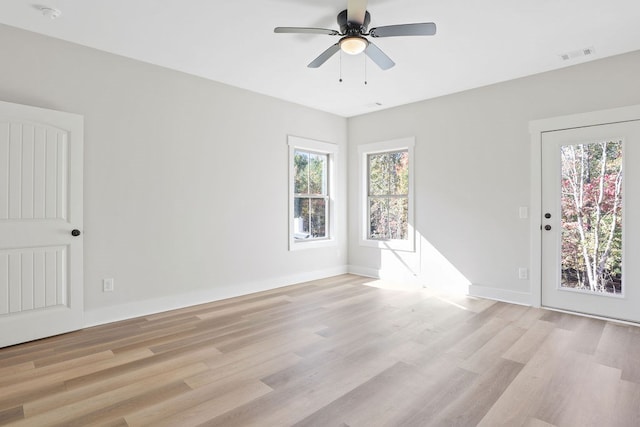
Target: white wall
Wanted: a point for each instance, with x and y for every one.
(472, 173)
(185, 179)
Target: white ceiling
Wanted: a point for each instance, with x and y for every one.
(478, 42)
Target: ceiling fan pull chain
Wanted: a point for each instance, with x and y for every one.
(340, 67)
(365, 69)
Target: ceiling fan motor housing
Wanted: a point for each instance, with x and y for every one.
(353, 28)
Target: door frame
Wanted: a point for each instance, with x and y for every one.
(536, 129)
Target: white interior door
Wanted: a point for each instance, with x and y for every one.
(41, 280)
(590, 227)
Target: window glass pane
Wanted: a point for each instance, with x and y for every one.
(301, 171)
(592, 203)
(398, 219)
(317, 173)
(399, 173)
(389, 218)
(301, 218)
(379, 217)
(318, 218)
(378, 174)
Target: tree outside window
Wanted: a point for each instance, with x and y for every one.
(592, 216)
(311, 196)
(388, 195)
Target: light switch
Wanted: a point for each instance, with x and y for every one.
(523, 273)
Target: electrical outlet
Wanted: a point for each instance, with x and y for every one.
(523, 212)
(523, 273)
(107, 285)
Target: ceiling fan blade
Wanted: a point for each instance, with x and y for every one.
(305, 30)
(379, 57)
(324, 56)
(423, 29)
(356, 10)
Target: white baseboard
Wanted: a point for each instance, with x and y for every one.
(364, 271)
(130, 310)
(522, 298)
(383, 275)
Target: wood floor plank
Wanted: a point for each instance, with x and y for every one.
(154, 414)
(113, 413)
(341, 351)
(371, 402)
(563, 405)
(10, 415)
(627, 409)
(588, 334)
(247, 308)
(476, 400)
(201, 414)
(523, 349)
(31, 389)
(445, 385)
(468, 346)
(619, 347)
(484, 357)
(14, 369)
(305, 394)
(64, 367)
(383, 400)
(80, 389)
(523, 397)
(534, 422)
(134, 366)
(10, 399)
(111, 403)
(246, 369)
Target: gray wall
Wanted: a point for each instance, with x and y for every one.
(185, 180)
(472, 172)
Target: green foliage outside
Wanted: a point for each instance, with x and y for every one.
(388, 195)
(310, 187)
(592, 216)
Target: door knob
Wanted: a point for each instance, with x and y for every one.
(75, 232)
(547, 227)
(547, 215)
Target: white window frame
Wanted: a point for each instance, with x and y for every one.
(331, 150)
(364, 151)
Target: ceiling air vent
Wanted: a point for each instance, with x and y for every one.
(578, 53)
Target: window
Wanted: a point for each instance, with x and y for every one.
(387, 181)
(311, 195)
(311, 165)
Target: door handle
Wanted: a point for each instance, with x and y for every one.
(75, 232)
(547, 227)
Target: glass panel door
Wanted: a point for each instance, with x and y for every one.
(591, 218)
(590, 200)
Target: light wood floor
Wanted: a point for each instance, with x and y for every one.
(332, 352)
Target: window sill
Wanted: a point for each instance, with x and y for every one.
(296, 245)
(394, 245)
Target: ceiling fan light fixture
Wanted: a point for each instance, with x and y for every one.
(353, 45)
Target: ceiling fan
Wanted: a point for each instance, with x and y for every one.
(353, 23)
